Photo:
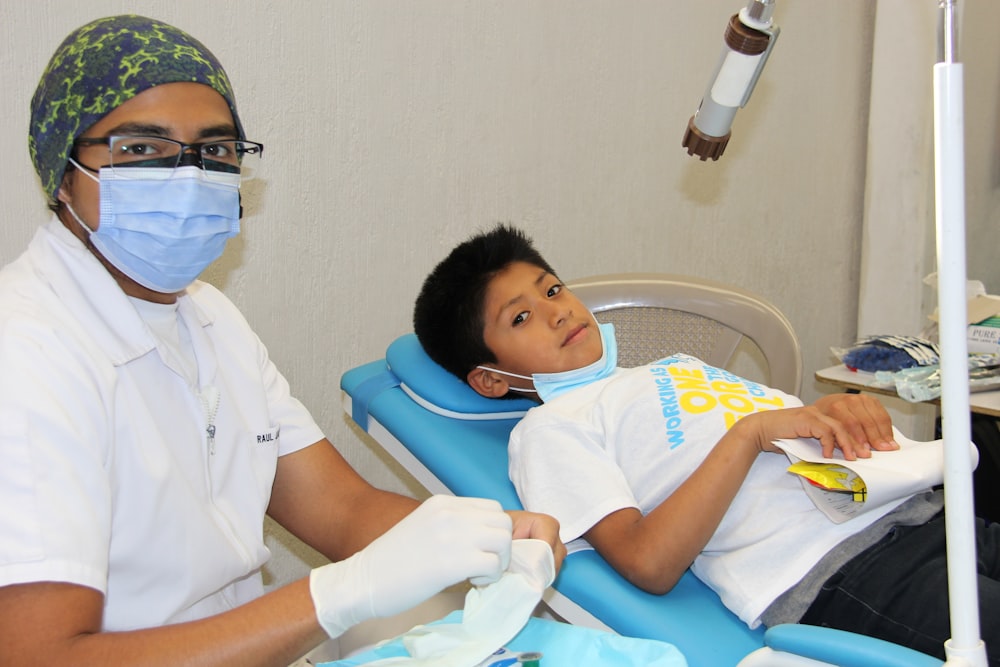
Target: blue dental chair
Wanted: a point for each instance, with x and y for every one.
(453, 440)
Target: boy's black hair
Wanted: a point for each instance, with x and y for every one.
(448, 314)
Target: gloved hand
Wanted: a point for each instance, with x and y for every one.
(443, 541)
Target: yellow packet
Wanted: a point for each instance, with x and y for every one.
(832, 477)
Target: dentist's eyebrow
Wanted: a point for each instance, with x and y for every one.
(153, 130)
(139, 129)
(227, 130)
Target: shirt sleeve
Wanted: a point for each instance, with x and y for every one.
(53, 484)
(298, 429)
(560, 467)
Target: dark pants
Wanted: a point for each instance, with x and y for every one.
(897, 590)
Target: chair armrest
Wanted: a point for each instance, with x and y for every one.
(846, 649)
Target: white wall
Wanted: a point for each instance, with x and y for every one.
(395, 129)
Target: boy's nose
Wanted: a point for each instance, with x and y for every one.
(559, 315)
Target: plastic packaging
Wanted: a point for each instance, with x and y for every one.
(832, 477)
(888, 353)
(924, 383)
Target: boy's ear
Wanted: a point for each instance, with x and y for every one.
(490, 385)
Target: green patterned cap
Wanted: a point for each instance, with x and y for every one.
(103, 65)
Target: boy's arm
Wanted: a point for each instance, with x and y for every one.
(653, 551)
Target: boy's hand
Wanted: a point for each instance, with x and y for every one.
(853, 423)
(864, 417)
(539, 527)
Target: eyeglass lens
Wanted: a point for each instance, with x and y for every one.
(219, 156)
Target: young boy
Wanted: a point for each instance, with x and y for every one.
(671, 465)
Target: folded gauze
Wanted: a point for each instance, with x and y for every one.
(492, 616)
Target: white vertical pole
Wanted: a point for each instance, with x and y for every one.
(965, 645)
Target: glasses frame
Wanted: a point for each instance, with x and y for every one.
(255, 148)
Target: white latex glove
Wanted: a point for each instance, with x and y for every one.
(442, 542)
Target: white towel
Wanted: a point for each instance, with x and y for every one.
(492, 616)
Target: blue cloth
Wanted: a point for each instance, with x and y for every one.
(561, 645)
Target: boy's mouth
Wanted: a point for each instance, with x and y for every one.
(575, 334)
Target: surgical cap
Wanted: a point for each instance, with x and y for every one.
(99, 67)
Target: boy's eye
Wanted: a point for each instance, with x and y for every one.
(555, 289)
(520, 318)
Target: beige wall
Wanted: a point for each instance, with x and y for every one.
(394, 129)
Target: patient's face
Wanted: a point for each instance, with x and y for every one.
(534, 324)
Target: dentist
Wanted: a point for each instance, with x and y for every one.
(144, 431)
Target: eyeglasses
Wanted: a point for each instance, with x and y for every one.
(231, 156)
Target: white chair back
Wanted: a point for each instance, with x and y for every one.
(658, 314)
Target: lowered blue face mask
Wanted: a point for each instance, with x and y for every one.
(551, 385)
(162, 232)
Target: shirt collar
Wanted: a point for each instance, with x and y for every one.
(93, 296)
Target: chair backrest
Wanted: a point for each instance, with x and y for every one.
(659, 314)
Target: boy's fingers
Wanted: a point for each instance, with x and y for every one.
(875, 422)
(864, 417)
(835, 434)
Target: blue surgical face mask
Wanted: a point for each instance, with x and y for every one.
(551, 385)
(163, 231)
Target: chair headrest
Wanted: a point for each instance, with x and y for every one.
(439, 391)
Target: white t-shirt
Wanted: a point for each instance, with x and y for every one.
(631, 439)
(109, 478)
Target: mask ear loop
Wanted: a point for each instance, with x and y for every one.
(69, 207)
(513, 375)
(84, 170)
(79, 220)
